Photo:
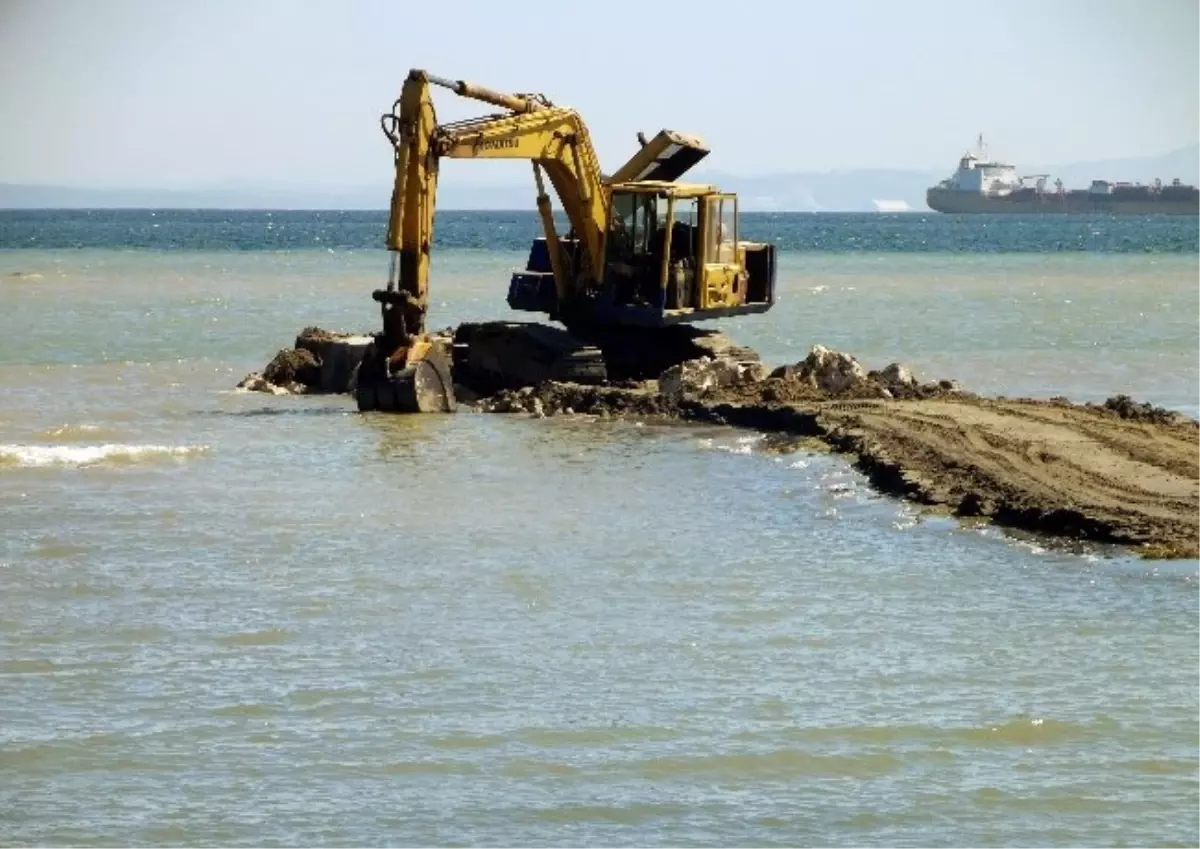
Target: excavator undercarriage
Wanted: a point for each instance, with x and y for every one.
(645, 256)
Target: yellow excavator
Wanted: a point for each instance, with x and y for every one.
(643, 250)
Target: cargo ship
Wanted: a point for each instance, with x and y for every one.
(984, 185)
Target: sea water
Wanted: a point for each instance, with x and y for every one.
(231, 618)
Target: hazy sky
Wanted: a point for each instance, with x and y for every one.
(170, 93)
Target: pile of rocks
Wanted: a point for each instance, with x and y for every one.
(706, 380)
(556, 399)
(708, 375)
(293, 371)
(523, 400)
(715, 370)
(1142, 411)
(319, 361)
(840, 375)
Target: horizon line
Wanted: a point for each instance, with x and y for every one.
(522, 210)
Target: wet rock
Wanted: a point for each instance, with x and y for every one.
(536, 401)
(505, 402)
(695, 378)
(832, 371)
(320, 361)
(752, 371)
(896, 373)
(255, 382)
(1127, 408)
(834, 374)
(293, 365)
(311, 337)
(827, 370)
(337, 355)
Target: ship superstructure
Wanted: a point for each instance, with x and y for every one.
(977, 173)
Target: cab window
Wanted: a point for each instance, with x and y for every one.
(721, 238)
(631, 227)
(684, 235)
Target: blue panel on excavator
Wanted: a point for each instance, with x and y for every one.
(532, 291)
(539, 256)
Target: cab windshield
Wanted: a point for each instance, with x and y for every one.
(636, 239)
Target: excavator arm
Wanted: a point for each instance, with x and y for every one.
(556, 142)
(554, 139)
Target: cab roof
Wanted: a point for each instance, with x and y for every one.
(666, 188)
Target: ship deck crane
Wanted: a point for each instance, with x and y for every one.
(643, 250)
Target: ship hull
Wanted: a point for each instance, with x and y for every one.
(1066, 203)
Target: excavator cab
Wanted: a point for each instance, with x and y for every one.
(649, 232)
(672, 254)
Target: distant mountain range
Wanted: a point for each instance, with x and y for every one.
(831, 191)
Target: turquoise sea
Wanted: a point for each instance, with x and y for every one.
(236, 619)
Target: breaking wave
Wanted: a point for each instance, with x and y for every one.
(91, 455)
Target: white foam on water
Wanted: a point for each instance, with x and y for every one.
(90, 455)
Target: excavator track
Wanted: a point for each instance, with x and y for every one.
(507, 355)
(491, 356)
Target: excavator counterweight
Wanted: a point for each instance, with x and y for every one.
(643, 250)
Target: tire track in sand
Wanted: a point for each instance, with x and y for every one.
(1051, 467)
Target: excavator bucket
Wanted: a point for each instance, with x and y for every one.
(420, 382)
